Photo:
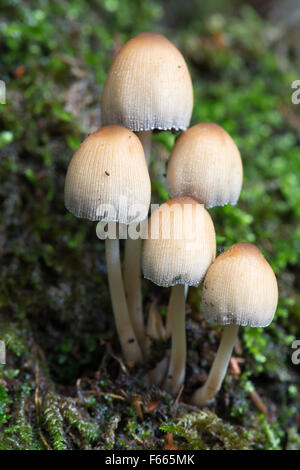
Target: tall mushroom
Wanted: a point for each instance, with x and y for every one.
(239, 288)
(108, 179)
(205, 164)
(148, 87)
(179, 248)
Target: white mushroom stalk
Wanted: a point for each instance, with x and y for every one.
(133, 287)
(145, 137)
(128, 340)
(176, 373)
(156, 331)
(169, 313)
(218, 370)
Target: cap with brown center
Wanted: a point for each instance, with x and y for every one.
(148, 86)
(205, 164)
(108, 177)
(240, 288)
(181, 243)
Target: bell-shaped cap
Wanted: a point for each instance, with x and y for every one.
(108, 178)
(148, 86)
(205, 164)
(180, 243)
(240, 288)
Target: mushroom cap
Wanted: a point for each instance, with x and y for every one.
(108, 178)
(240, 288)
(205, 164)
(180, 243)
(148, 86)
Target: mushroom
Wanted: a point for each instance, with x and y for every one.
(239, 288)
(148, 87)
(205, 164)
(108, 180)
(179, 248)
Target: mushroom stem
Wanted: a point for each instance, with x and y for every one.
(133, 288)
(132, 266)
(218, 370)
(129, 344)
(156, 331)
(145, 138)
(169, 320)
(176, 372)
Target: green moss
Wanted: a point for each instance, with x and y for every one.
(203, 430)
(109, 437)
(293, 439)
(87, 429)
(19, 435)
(13, 336)
(5, 402)
(53, 421)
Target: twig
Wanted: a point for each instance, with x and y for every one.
(111, 395)
(178, 397)
(122, 365)
(259, 404)
(137, 405)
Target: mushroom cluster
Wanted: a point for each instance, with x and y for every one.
(149, 88)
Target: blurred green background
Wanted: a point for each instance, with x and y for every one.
(55, 390)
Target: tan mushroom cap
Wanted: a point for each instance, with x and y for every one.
(181, 243)
(148, 86)
(205, 164)
(240, 288)
(108, 177)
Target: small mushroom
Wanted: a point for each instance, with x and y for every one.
(180, 246)
(205, 164)
(91, 194)
(148, 87)
(239, 288)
